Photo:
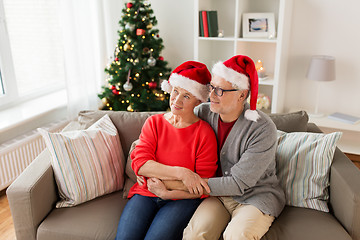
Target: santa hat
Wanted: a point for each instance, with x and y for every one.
(191, 76)
(240, 71)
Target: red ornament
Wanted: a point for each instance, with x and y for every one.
(161, 58)
(129, 5)
(116, 92)
(112, 87)
(140, 32)
(157, 35)
(116, 59)
(152, 85)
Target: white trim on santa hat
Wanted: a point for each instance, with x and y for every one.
(197, 89)
(238, 79)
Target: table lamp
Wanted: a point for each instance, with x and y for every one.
(321, 69)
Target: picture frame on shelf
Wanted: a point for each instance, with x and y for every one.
(258, 25)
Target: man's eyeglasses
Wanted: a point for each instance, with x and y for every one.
(219, 91)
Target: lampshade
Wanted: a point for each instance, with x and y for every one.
(321, 68)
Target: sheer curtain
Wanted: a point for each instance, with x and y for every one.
(85, 44)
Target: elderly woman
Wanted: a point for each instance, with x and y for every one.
(173, 146)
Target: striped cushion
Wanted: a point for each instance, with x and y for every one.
(303, 163)
(86, 163)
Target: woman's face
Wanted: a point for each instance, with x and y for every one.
(182, 102)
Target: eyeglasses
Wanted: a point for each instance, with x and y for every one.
(219, 91)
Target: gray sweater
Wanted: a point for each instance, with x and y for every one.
(248, 162)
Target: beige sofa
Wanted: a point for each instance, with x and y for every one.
(33, 194)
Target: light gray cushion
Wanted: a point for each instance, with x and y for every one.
(290, 122)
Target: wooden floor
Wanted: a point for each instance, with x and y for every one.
(7, 231)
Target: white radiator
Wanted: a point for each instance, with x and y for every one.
(17, 154)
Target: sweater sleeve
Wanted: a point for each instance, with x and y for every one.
(145, 149)
(206, 157)
(251, 166)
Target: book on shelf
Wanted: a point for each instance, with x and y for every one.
(212, 23)
(344, 118)
(201, 27)
(208, 24)
(205, 23)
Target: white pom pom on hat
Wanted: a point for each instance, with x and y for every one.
(192, 76)
(240, 71)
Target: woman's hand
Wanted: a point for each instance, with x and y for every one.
(140, 180)
(157, 187)
(193, 182)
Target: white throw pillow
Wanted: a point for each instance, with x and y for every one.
(87, 163)
(303, 162)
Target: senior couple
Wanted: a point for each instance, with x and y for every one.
(205, 170)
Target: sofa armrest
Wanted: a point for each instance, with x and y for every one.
(32, 196)
(345, 193)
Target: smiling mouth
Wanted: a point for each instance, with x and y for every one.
(176, 107)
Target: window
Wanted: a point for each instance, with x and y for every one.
(31, 50)
(2, 92)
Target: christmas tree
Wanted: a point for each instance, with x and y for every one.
(137, 68)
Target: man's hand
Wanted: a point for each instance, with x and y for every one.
(193, 182)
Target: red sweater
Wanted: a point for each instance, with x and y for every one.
(193, 147)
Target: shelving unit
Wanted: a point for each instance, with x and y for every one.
(272, 52)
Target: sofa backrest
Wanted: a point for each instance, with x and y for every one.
(129, 124)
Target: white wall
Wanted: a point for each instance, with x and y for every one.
(328, 28)
(318, 27)
(175, 22)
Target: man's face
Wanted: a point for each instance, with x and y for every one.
(229, 101)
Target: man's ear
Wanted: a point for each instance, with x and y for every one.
(243, 95)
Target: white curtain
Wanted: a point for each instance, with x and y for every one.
(85, 40)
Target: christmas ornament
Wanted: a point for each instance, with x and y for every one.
(116, 92)
(104, 100)
(152, 85)
(129, 108)
(140, 32)
(161, 58)
(151, 61)
(127, 46)
(116, 59)
(130, 27)
(128, 86)
(129, 5)
(146, 50)
(149, 26)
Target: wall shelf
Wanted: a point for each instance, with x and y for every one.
(272, 52)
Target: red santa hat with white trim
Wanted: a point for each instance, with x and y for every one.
(240, 71)
(191, 76)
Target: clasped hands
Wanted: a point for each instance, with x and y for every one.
(189, 181)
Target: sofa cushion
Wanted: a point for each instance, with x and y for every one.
(290, 122)
(301, 223)
(303, 163)
(87, 163)
(96, 219)
(130, 179)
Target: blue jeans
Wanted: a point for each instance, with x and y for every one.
(155, 218)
